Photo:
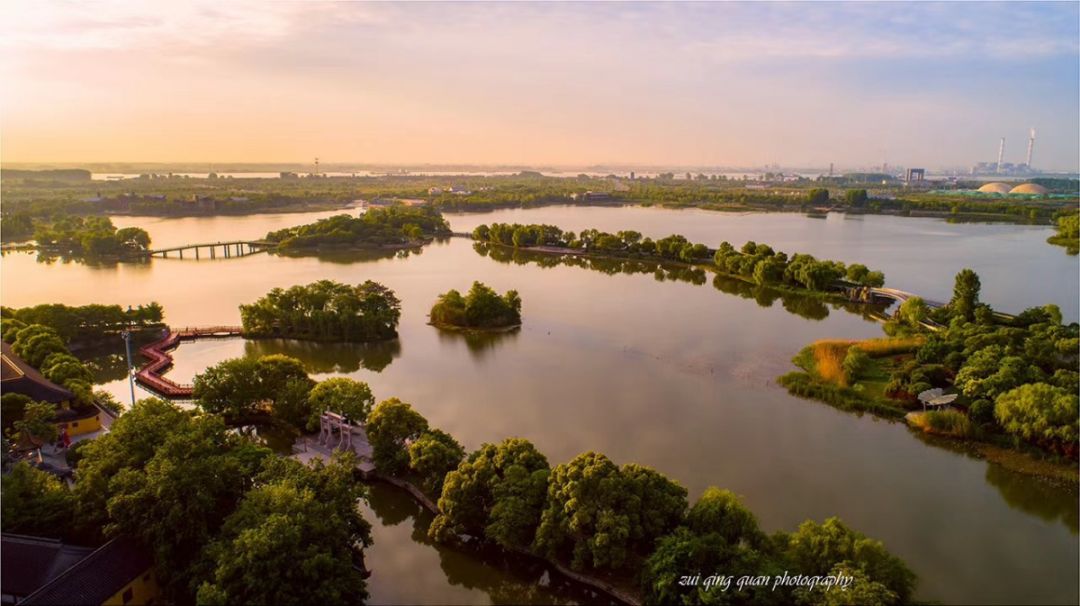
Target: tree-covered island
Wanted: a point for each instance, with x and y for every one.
(89, 239)
(392, 227)
(753, 262)
(480, 309)
(325, 311)
(1015, 378)
(1068, 233)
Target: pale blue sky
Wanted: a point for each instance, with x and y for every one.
(918, 84)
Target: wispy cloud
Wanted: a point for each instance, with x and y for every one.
(719, 82)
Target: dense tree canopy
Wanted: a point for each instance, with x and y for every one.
(433, 455)
(91, 237)
(598, 514)
(325, 311)
(293, 538)
(377, 227)
(86, 322)
(347, 397)
(628, 244)
(498, 492)
(816, 549)
(391, 425)
(222, 516)
(36, 503)
(1040, 412)
(818, 195)
(239, 387)
(481, 308)
(765, 266)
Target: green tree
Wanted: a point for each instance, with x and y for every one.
(654, 505)
(35, 343)
(598, 514)
(855, 364)
(719, 512)
(433, 455)
(965, 295)
(857, 272)
(177, 502)
(815, 549)
(769, 271)
(685, 552)
(498, 492)
(914, 312)
(391, 425)
(856, 197)
(230, 388)
(11, 408)
(36, 503)
(241, 387)
(129, 444)
(349, 398)
(482, 307)
(818, 196)
(863, 591)
(36, 423)
(293, 539)
(325, 311)
(1039, 412)
(133, 239)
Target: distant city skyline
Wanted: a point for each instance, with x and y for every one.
(932, 85)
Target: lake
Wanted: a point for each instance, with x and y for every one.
(665, 370)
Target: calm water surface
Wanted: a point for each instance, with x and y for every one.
(673, 374)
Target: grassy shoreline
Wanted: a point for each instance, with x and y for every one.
(818, 380)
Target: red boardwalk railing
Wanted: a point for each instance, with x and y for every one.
(151, 376)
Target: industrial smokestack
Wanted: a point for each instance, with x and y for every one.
(1001, 154)
(1031, 147)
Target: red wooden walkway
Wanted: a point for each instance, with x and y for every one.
(151, 376)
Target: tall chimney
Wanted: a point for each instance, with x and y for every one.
(1001, 154)
(1031, 147)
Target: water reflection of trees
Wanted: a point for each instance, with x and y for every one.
(660, 272)
(506, 578)
(1036, 497)
(479, 343)
(321, 357)
(349, 256)
(106, 365)
(1032, 495)
(812, 308)
(52, 257)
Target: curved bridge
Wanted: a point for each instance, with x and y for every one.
(151, 374)
(214, 250)
(901, 296)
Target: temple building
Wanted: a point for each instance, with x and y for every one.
(16, 376)
(37, 570)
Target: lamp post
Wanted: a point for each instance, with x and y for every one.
(126, 334)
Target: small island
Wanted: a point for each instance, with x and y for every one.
(325, 311)
(1068, 234)
(392, 227)
(481, 309)
(89, 239)
(1004, 385)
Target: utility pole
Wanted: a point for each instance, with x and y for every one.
(126, 334)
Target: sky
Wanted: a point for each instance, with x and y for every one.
(566, 84)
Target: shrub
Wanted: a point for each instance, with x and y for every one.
(855, 364)
(982, 412)
(804, 385)
(945, 422)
